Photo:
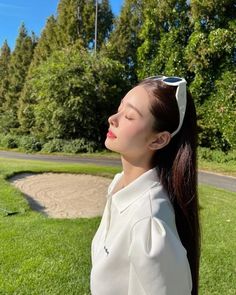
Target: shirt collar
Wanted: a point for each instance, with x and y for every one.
(126, 196)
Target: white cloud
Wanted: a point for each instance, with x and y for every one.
(10, 6)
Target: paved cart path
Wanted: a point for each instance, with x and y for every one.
(217, 180)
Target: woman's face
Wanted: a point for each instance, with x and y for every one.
(130, 129)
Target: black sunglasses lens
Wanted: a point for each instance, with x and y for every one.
(172, 79)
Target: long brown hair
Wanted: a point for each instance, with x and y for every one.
(177, 167)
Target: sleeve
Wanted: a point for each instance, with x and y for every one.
(158, 261)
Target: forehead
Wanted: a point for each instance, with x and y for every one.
(139, 97)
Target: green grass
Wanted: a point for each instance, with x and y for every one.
(222, 168)
(218, 259)
(228, 168)
(45, 256)
(41, 255)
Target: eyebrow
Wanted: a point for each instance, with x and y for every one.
(133, 107)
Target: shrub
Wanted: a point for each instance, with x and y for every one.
(29, 143)
(216, 155)
(79, 146)
(54, 145)
(9, 141)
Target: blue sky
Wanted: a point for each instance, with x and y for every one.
(33, 13)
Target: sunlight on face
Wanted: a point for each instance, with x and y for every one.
(130, 129)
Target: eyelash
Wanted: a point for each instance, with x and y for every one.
(126, 117)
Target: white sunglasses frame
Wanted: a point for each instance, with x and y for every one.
(181, 95)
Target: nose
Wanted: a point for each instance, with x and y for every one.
(113, 120)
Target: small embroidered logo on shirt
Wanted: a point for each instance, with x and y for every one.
(106, 250)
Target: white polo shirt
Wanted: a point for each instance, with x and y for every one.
(136, 249)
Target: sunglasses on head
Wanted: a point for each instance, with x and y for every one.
(181, 95)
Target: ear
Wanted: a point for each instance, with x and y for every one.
(161, 140)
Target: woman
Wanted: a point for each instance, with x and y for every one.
(148, 239)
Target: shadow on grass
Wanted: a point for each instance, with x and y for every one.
(34, 205)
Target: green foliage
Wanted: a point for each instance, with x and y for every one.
(124, 40)
(29, 143)
(8, 120)
(47, 43)
(18, 68)
(216, 156)
(210, 50)
(71, 96)
(220, 113)
(210, 55)
(79, 146)
(105, 22)
(61, 90)
(75, 146)
(169, 58)
(76, 22)
(23, 142)
(209, 15)
(54, 145)
(164, 34)
(5, 55)
(8, 141)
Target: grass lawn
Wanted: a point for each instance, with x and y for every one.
(222, 168)
(41, 255)
(218, 257)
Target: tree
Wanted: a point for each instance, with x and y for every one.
(221, 113)
(71, 95)
(210, 54)
(47, 43)
(124, 40)
(211, 45)
(5, 56)
(210, 15)
(76, 20)
(105, 22)
(18, 68)
(164, 34)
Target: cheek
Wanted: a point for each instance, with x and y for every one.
(137, 132)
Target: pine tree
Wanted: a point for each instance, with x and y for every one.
(18, 68)
(67, 20)
(4, 69)
(47, 43)
(105, 22)
(45, 46)
(124, 40)
(76, 20)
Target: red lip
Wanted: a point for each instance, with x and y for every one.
(110, 134)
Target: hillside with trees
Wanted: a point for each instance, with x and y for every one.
(56, 92)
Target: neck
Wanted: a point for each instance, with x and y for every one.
(133, 170)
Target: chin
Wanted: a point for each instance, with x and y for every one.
(110, 146)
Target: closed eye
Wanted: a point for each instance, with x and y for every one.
(121, 109)
(128, 118)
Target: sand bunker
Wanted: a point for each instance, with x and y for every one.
(61, 195)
